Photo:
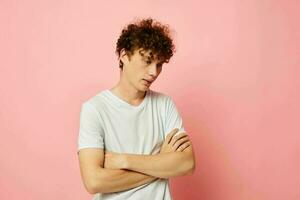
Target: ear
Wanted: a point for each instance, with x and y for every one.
(123, 56)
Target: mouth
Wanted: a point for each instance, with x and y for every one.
(147, 81)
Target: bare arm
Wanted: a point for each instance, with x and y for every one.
(100, 180)
(162, 165)
(176, 158)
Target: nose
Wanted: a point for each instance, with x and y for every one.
(153, 69)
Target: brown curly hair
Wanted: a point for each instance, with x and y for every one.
(147, 34)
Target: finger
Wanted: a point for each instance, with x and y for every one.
(176, 143)
(171, 134)
(183, 146)
(187, 146)
(180, 142)
(177, 137)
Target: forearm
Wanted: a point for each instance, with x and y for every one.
(115, 180)
(161, 165)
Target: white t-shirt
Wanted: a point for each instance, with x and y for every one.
(110, 123)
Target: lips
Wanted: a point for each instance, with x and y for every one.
(149, 81)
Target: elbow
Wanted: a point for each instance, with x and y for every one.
(93, 187)
(97, 183)
(94, 181)
(190, 167)
(91, 191)
(90, 187)
(187, 168)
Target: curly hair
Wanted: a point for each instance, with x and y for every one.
(147, 34)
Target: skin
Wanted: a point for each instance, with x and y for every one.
(131, 88)
(137, 67)
(107, 172)
(176, 158)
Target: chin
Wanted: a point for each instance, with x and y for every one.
(144, 89)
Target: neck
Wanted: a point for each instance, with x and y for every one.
(126, 91)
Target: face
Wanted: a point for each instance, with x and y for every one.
(141, 69)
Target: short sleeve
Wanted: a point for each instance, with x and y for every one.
(91, 134)
(173, 118)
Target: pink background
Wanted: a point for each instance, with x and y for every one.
(234, 77)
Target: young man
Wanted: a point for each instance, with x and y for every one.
(132, 139)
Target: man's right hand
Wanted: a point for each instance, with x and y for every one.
(175, 143)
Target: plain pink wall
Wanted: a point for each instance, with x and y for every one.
(234, 77)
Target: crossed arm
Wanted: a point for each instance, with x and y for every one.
(118, 172)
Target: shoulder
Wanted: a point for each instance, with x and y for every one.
(161, 97)
(96, 101)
